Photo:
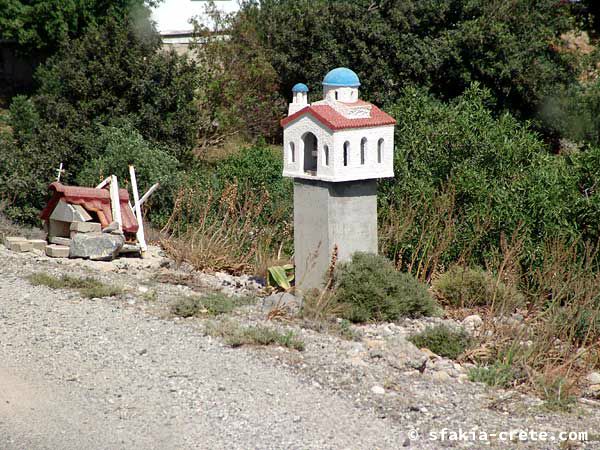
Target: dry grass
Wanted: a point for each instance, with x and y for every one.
(558, 340)
(225, 233)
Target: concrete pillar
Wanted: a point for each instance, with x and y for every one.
(328, 214)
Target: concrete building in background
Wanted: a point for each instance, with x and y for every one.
(335, 149)
(173, 19)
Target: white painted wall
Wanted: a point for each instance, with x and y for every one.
(175, 15)
(336, 171)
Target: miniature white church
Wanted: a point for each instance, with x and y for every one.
(335, 149)
(340, 138)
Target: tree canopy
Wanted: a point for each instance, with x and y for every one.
(41, 25)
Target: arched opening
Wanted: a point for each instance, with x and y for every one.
(363, 150)
(310, 153)
(292, 152)
(346, 153)
(326, 155)
(380, 151)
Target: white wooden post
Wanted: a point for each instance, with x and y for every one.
(104, 183)
(146, 195)
(138, 211)
(115, 201)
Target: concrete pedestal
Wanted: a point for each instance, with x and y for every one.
(328, 214)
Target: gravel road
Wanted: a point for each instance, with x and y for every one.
(118, 373)
(82, 374)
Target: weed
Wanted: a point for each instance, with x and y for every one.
(150, 295)
(467, 288)
(557, 392)
(442, 340)
(213, 304)
(88, 287)
(236, 335)
(497, 375)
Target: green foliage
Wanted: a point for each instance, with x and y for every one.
(238, 91)
(445, 45)
(374, 290)
(88, 287)
(496, 174)
(236, 335)
(117, 148)
(498, 374)
(467, 287)
(213, 304)
(442, 340)
(114, 76)
(43, 24)
(574, 112)
(281, 276)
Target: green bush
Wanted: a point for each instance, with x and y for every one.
(373, 290)
(465, 287)
(443, 44)
(113, 75)
(442, 340)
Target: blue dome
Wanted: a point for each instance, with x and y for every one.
(341, 77)
(300, 87)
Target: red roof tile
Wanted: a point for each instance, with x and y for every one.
(93, 200)
(335, 121)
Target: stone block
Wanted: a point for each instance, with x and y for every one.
(65, 212)
(8, 240)
(57, 251)
(86, 227)
(21, 246)
(60, 241)
(96, 246)
(58, 228)
(38, 244)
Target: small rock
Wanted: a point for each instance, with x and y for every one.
(282, 300)
(472, 323)
(403, 354)
(441, 375)
(593, 378)
(378, 390)
(429, 353)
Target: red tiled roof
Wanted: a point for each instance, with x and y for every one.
(335, 121)
(93, 200)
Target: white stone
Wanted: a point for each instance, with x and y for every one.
(593, 378)
(38, 244)
(472, 323)
(378, 390)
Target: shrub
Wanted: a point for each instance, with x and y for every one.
(442, 340)
(118, 147)
(213, 304)
(374, 290)
(236, 335)
(465, 287)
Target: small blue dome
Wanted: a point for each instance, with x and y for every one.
(341, 77)
(300, 87)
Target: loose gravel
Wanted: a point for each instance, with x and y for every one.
(121, 373)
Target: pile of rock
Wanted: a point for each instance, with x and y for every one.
(87, 240)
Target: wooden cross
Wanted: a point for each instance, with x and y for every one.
(59, 172)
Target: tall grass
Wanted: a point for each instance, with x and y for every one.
(226, 230)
